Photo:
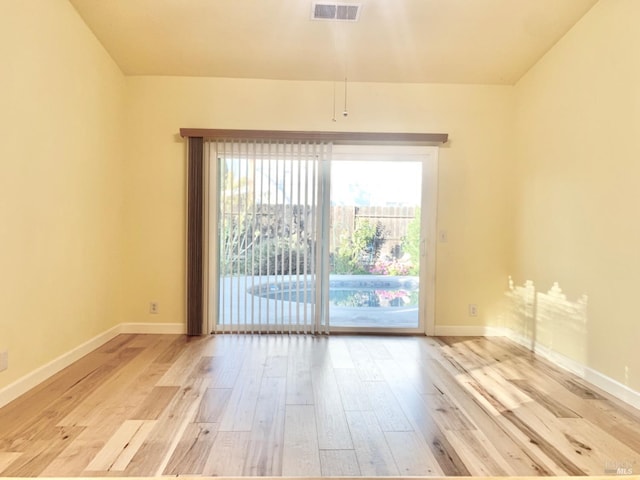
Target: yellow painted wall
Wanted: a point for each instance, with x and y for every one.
(537, 182)
(578, 168)
(61, 189)
(474, 198)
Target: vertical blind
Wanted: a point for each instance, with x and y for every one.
(307, 227)
(195, 237)
(269, 228)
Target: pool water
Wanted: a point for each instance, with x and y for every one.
(351, 297)
(373, 298)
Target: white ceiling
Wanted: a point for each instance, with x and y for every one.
(440, 41)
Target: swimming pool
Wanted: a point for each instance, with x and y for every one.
(368, 292)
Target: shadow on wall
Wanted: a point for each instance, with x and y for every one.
(547, 322)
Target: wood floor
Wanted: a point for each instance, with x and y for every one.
(148, 405)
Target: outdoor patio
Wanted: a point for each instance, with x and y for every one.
(359, 301)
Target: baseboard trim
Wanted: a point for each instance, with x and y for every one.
(467, 331)
(600, 380)
(153, 328)
(40, 374)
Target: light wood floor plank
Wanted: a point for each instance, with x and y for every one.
(604, 413)
(364, 364)
(155, 403)
(352, 390)
(227, 455)
(403, 349)
(42, 452)
(475, 453)
(523, 456)
(276, 366)
(603, 444)
(212, 405)
(409, 372)
(299, 384)
(116, 446)
(446, 413)
(339, 463)
(131, 402)
(376, 348)
(155, 452)
(333, 431)
(411, 454)
(105, 420)
(175, 347)
(30, 406)
(74, 459)
(183, 365)
(420, 375)
(264, 455)
(133, 445)
(43, 424)
(7, 458)
(191, 453)
(550, 442)
(122, 446)
(386, 408)
(301, 456)
(149, 405)
(413, 406)
(240, 408)
(545, 457)
(372, 451)
(339, 354)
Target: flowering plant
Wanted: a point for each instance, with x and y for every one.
(391, 267)
(393, 298)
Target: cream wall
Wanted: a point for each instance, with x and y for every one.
(578, 167)
(537, 182)
(474, 197)
(61, 188)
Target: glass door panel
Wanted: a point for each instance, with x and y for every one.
(308, 238)
(375, 244)
(267, 216)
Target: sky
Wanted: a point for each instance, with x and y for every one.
(377, 184)
(353, 183)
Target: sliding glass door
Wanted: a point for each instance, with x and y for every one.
(380, 244)
(374, 244)
(267, 225)
(311, 240)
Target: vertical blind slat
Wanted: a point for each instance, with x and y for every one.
(195, 237)
(268, 235)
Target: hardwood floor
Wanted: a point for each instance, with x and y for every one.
(148, 405)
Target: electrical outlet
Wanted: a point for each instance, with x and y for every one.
(473, 310)
(4, 360)
(154, 308)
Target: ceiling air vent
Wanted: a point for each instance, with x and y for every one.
(348, 12)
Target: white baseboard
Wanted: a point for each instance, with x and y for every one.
(608, 384)
(467, 331)
(613, 387)
(165, 328)
(40, 374)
